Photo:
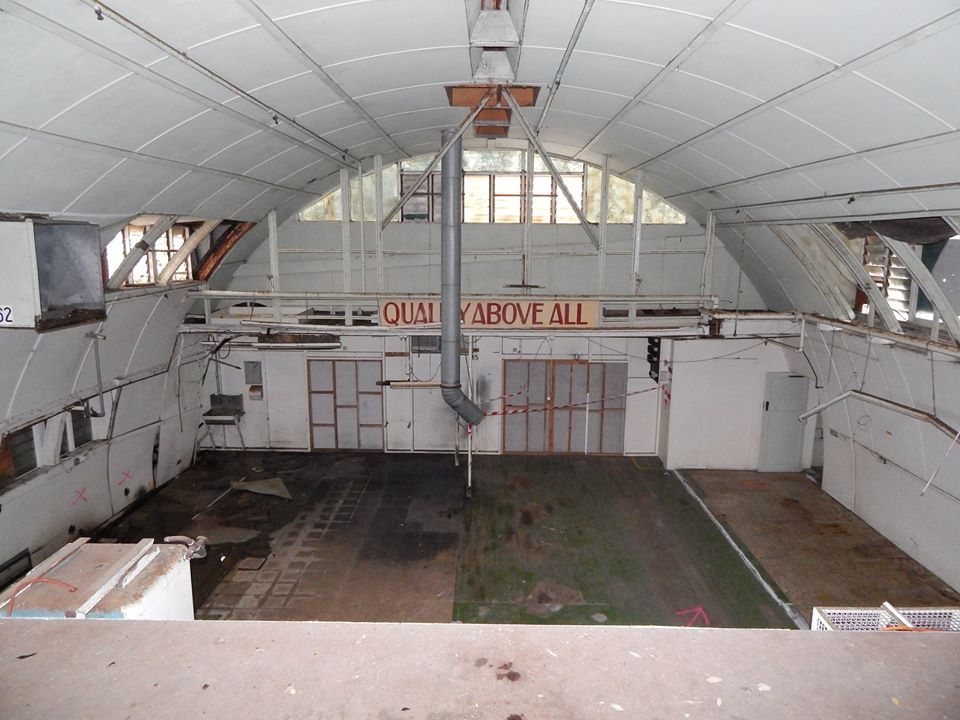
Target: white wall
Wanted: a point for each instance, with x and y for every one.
(152, 386)
(672, 263)
(419, 420)
(716, 401)
(877, 461)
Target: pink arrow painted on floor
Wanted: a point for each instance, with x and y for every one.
(698, 614)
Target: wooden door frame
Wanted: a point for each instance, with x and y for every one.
(551, 363)
(336, 425)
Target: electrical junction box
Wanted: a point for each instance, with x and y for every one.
(50, 274)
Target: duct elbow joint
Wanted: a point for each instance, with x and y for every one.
(461, 404)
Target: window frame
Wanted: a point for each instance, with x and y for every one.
(431, 191)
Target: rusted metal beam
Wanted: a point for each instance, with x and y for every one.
(211, 261)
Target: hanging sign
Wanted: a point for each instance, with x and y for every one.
(496, 313)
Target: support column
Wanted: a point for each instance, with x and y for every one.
(637, 237)
(273, 246)
(528, 220)
(345, 237)
(602, 236)
(363, 222)
(706, 272)
(378, 215)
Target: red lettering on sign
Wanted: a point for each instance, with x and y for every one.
(537, 312)
(421, 315)
(556, 317)
(391, 313)
(493, 313)
(478, 317)
(464, 309)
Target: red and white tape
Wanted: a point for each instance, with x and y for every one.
(521, 411)
(523, 391)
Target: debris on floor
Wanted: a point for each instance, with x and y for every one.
(217, 534)
(268, 486)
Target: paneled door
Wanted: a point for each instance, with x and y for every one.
(346, 404)
(781, 437)
(563, 406)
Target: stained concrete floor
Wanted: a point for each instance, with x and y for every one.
(818, 552)
(545, 540)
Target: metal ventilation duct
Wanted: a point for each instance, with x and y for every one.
(450, 219)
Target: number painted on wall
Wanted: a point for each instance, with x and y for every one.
(6, 315)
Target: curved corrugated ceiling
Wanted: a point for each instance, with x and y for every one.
(229, 108)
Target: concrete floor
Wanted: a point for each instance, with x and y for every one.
(814, 549)
(565, 540)
(129, 670)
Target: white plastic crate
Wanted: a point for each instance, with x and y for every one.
(853, 619)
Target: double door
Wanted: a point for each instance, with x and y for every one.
(346, 404)
(564, 406)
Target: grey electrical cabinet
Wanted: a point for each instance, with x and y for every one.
(51, 274)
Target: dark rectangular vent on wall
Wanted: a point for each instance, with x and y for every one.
(82, 428)
(252, 372)
(425, 344)
(430, 344)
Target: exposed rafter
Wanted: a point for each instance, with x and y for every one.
(69, 141)
(701, 37)
(436, 159)
(924, 31)
(292, 47)
(878, 302)
(833, 159)
(43, 22)
(928, 284)
(189, 245)
(531, 134)
(130, 260)
(340, 156)
(567, 53)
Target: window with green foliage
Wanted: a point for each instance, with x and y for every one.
(494, 191)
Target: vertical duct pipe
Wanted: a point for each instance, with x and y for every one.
(450, 220)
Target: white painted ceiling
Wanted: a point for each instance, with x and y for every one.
(228, 108)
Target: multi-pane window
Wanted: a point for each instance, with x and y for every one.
(424, 204)
(494, 191)
(154, 260)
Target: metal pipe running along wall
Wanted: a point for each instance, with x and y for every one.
(450, 221)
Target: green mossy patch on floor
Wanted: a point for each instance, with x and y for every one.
(565, 539)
